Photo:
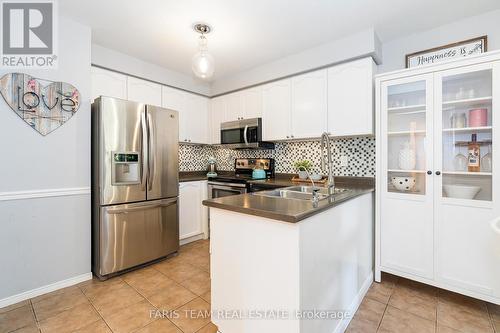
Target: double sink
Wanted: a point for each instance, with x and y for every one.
(301, 192)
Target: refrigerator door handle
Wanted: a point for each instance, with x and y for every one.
(152, 149)
(134, 209)
(144, 151)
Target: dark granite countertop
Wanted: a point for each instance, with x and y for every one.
(191, 176)
(290, 210)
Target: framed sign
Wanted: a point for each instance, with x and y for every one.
(447, 52)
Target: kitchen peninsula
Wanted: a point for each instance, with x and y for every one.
(285, 266)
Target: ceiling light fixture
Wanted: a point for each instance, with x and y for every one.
(203, 62)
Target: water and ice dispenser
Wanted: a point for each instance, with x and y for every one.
(125, 168)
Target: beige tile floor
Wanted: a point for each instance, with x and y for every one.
(127, 303)
(124, 304)
(401, 305)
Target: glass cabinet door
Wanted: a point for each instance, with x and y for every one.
(463, 143)
(407, 119)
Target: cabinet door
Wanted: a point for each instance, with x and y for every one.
(144, 91)
(467, 200)
(406, 216)
(252, 102)
(108, 83)
(217, 116)
(309, 105)
(175, 99)
(196, 125)
(276, 111)
(234, 106)
(350, 98)
(190, 209)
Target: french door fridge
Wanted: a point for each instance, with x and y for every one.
(134, 184)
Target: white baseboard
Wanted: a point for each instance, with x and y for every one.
(342, 326)
(45, 289)
(190, 239)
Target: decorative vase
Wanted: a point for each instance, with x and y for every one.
(303, 174)
(407, 158)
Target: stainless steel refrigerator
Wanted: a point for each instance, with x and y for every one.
(135, 184)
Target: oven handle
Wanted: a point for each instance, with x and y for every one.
(245, 134)
(227, 184)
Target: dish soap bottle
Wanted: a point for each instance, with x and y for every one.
(474, 155)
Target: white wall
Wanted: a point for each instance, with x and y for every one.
(45, 240)
(121, 62)
(394, 52)
(362, 44)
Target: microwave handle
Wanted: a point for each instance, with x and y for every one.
(245, 134)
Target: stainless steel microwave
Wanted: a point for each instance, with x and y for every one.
(243, 134)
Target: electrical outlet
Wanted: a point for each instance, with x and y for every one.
(343, 161)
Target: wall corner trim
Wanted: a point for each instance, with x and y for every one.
(45, 289)
(34, 194)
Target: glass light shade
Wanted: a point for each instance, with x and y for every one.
(203, 65)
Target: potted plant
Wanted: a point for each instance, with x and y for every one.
(303, 167)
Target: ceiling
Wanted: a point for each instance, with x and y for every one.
(253, 32)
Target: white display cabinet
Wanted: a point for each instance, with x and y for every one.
(435, 206)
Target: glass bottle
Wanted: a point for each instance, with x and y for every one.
(474, 155)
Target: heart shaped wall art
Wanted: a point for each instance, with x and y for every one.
(43, 107)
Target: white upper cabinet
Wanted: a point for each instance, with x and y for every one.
(252, 102)
(350, 98)
(193, 114)
(175, 99)
(196, 120)
(108, 83)
(217, 116)
(144, 91)
(234, 106)
(276, 110)
(309, 105)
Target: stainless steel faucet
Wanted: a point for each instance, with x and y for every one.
(325, 143)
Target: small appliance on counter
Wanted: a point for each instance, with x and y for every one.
(212, 167)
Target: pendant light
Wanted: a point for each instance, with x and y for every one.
(203, 62)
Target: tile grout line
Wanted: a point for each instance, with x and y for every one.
(34, 315)
(386, 306)
(95, 309)
(492, 323)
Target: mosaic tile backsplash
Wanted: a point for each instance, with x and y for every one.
(360, 153)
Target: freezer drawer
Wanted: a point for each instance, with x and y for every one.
(134, 234)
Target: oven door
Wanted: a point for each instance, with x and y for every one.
(219, 190)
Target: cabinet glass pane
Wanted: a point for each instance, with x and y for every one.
(406, 132)
(466, 135)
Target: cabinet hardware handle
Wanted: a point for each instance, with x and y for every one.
(287, 136)
(429, 172)
(438, 173)
(292, 136)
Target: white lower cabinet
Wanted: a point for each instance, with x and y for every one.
(193, 216)
(437, 218)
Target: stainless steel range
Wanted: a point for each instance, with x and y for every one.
(238, 183)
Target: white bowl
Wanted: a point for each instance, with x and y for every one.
(404, 184)
(461, 191)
